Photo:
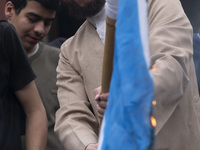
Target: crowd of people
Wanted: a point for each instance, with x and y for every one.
(50, 94)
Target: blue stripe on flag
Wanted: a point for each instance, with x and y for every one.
(126, 124)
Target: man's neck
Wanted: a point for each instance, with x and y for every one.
(34, 51)
(98, 21)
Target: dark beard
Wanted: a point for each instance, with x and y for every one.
(81, 9)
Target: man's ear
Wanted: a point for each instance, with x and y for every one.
(9, 10)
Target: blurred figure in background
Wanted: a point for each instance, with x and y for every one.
(192, 11)
(196, 56)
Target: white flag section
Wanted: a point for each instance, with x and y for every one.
(144, 28)
(126, 124)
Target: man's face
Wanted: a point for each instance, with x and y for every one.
(83, 8)
(32, 23)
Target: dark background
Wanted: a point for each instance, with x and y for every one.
(65, 26)
(2, 5)
(192, 10)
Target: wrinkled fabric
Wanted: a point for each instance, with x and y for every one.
(126, 124)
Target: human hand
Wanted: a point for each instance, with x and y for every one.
(101, 99)
(91, 147)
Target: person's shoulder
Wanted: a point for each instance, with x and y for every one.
(4, 25)
(57, 42)
(84, 29)
(164, 5)
(49, 48)
(81, 36)
(8, 31)
(48, 52)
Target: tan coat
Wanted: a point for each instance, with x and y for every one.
(79, 73)
(178, 105)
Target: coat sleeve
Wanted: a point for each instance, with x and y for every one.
(76, 124)
(171, 54)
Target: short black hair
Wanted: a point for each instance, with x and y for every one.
(49, 4)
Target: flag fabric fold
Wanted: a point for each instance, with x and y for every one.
(126, 124)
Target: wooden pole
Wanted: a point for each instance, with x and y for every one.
(108, 54)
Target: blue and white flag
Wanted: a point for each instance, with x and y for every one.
(126, 124)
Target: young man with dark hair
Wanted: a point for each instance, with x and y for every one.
(18, 95)
(32, 20)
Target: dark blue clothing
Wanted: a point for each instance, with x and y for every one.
(15, 73)
(57, 42)
(196, 56)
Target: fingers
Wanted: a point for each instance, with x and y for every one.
(99, 96)
(104, 97)
(101, 100)
(97, 91)
(102, 103)
(100, 111)
(91, 147)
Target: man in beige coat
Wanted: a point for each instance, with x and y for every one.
(178, 105)
(78, 74)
